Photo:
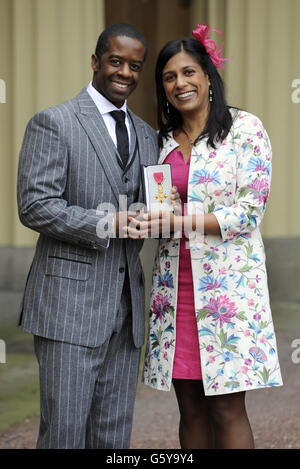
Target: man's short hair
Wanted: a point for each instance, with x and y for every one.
(117, 30)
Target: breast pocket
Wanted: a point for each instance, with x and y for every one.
(68, 268)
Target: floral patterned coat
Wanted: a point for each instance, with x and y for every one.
(236, 336)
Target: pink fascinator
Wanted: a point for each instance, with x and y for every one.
(201, 33)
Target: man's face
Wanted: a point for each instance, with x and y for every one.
(118, 73)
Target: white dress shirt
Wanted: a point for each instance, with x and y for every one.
(105, 107)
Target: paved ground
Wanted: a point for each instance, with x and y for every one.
(274, 413)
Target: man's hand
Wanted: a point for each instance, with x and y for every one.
(154, 225)
(122, 220)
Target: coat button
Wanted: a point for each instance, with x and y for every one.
(126, 179)
(121, 270)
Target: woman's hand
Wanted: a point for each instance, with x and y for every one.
(176, 201)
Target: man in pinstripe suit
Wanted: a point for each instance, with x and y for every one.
(84, 295)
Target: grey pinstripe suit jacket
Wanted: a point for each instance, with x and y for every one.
(67, 167)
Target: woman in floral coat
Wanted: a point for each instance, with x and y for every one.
(211, 330)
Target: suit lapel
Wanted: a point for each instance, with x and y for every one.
(133, 147)
(94, 126)
(143, 139)
(143, 147)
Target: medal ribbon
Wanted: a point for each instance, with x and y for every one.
(158, 177)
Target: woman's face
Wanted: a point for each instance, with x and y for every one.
(186, 85)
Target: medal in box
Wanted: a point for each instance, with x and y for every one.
(157, 186)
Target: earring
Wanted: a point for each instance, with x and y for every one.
(168, 109)
(210, 95)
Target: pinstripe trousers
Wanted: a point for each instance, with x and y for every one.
(87, 394)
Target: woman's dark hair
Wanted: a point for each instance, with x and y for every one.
(117, 30)
(219, 119)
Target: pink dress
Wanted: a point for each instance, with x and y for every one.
(187, 357)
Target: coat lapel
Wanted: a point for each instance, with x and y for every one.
(94, 126)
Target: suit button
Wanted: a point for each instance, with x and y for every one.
(126, 179)
(121, 270)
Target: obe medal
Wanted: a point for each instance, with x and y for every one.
(159, 177)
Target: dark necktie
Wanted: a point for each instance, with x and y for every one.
(122, 135)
